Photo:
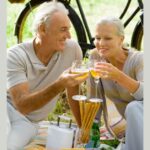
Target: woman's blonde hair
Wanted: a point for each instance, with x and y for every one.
(115, 21)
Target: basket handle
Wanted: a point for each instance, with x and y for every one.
(65, 118)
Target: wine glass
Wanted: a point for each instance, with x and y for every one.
(95, 74)
(80, 67)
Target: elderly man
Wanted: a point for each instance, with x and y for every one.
(36, 76)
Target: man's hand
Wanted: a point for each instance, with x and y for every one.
(68, 79)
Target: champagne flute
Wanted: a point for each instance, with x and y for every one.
(95, 74)
(80, 67)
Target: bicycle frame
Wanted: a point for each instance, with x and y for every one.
(83, 21)
(83, 18)
(137, 35)
(124, 12)
(139, 7)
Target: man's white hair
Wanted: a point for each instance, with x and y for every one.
(46, 12)
(115, 21)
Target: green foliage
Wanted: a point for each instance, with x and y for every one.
(62, 107)
(59, 108)
(114, 143)
(12, 14)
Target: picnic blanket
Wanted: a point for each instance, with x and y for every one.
(39, 141)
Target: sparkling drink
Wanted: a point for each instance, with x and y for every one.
(95, 74)
(85, 72)
(80, 67)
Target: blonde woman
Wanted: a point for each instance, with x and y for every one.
(122, 77)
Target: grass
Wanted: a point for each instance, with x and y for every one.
(114, 143)
(62, 107)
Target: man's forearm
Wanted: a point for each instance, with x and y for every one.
(36, 100)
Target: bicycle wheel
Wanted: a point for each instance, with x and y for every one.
(20, 29)
(137, 37)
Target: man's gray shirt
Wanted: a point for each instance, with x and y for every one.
(24, 66)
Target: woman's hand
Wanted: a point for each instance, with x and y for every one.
(113, 73)
(108, 71)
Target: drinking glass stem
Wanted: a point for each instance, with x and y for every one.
(80, 92)
(96, 83)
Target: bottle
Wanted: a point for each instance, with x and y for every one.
(94, 136)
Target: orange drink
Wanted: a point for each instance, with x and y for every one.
(95, 74)
(88, 111)
(85, 72)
